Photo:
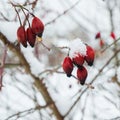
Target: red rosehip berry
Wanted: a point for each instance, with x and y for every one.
(67, 66)
(82, 74)
(113, 35)
(78, 60)
(30, 37)
(90, 54)
(98, 35)
(101, 43)
(21, 35)
(37, 26)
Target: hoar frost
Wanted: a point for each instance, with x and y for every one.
(77, 46)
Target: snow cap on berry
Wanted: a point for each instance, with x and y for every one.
(77, 47)
(78, 60)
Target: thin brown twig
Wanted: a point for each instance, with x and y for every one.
(115, 44)
(65, 47)
(22, 7)
(84, 107)
(115, 118)
(50, 70)
(45, 46)
(10, 65)
(115, 41)
(26, 111)
(88, 85)
(66, 11)
(26, 18)
(17, 13)
(3, 16)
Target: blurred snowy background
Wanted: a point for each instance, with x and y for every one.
(65, 20)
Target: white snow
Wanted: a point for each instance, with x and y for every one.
(9, 29)
(77, 46)
(88, 17)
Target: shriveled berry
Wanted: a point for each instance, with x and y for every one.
(98, 35)
(82, 74)
(67, 66)
(113, 35)
(30, 37)
(37, 26)
(90, 55)
(101, 43)
(78, 60)
(21, 35)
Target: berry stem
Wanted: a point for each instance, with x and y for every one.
(18, 16)
(45, 46)
(88, 85)
(65, 47)
(22, 7)
(68, 51)
(26, 16)
(74, 77)
(17, 13)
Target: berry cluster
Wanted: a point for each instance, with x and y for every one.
(101, 41)
(29, 35)
(78, 61)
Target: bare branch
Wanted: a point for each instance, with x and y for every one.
(26, 112)
(2, 65)
(66, 11)
(37, 82)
